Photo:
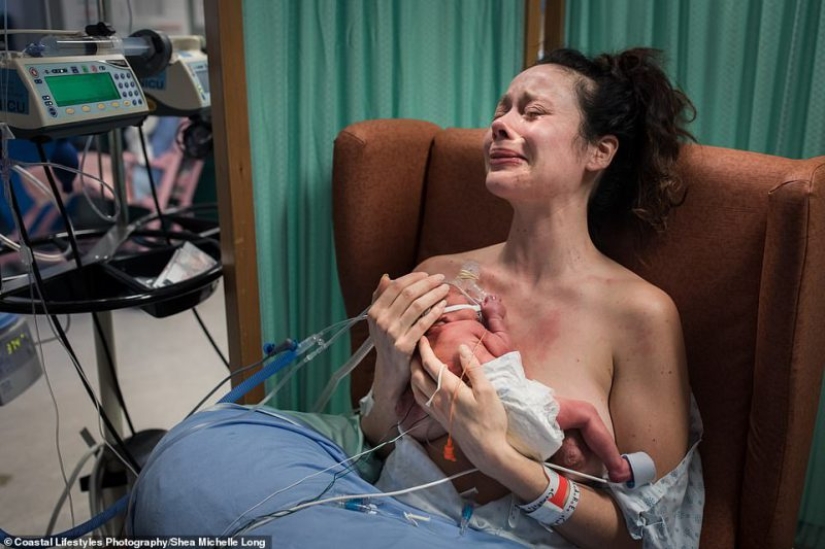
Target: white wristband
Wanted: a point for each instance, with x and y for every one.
(556, 505)
(552, 487)
(366, 403)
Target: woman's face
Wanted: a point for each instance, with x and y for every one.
(533, 149)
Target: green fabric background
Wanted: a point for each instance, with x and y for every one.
(315, 66)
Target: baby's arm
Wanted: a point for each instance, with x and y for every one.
(577, 414)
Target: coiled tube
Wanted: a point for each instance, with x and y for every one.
(341, 373)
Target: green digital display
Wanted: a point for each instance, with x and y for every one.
(16, 343)
(75, 89)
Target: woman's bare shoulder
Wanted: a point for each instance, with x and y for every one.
(638, 310)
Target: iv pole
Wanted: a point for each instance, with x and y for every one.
(104, 334)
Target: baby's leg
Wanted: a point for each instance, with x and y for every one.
(577, 414)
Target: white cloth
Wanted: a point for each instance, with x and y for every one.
(531, 408)
(669, 513)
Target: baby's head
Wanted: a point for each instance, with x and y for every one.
(462, 323)
(459, 324)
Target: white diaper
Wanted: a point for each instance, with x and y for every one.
(531, 408)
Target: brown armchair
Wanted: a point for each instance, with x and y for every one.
(743, 258)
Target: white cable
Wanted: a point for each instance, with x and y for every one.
(8, 242)
(53, 397)
(42, 187)
(97, 404)
(89, 200)
(31, 178)
(42, 31)
(356, 457)
(66, 329)
(131, 14)
(373, 495)
(341, 373)
(67, 489)
(82, 174)
(36, 182)
(429, 402)
(94, 506)
(572, 472)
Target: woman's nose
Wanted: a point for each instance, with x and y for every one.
(501, 128)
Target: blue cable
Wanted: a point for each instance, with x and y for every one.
(272, 368)
(81, 529)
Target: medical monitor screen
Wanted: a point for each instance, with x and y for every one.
(82, 88)
(203, 78)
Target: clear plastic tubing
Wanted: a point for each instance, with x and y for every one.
(63, 46)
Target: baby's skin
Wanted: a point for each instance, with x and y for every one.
(587, 442)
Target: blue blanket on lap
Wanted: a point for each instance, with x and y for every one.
(220, 470)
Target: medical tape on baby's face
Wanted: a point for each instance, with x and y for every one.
(464, 306)
(461, 307)
(474, 304)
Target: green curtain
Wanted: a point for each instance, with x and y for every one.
(755, 70)
(315, 66)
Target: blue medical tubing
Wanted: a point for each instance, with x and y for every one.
(82, 529)
(272, 368)
(235, 394)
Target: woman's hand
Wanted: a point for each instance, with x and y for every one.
(402, 310)
(471, 412)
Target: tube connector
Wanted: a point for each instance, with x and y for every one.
(362, 505)
(270, 349)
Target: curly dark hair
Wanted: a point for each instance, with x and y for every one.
(628, 95)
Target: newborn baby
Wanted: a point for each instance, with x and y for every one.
(484, 333)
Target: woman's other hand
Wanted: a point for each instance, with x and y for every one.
(471, 412)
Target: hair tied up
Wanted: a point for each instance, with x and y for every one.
(628, 95)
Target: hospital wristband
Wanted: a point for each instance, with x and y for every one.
(556, 505)
(366, 404)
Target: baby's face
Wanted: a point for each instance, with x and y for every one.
(455, 328)
(461, 327)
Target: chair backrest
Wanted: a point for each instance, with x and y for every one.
(743, 258)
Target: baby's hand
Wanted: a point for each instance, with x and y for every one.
(492, 308)
(494, 312)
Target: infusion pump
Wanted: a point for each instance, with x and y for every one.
(182, 88)
(63, 96)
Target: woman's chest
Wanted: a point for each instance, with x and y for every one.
(566, 346)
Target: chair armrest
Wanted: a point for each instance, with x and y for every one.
(789, 368)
